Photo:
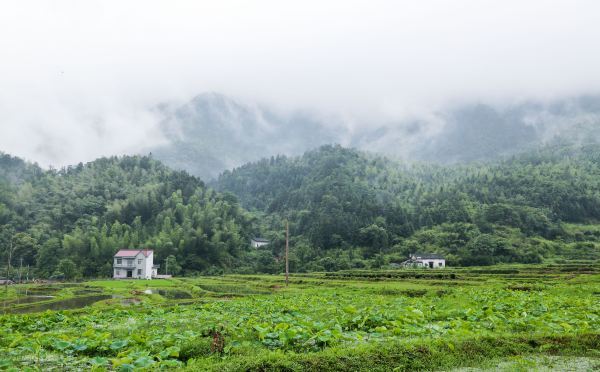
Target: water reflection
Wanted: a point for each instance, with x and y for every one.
(171, 294)
(38, 291)
(70, 303)
(26, 300)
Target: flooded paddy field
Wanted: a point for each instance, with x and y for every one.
(457, 319)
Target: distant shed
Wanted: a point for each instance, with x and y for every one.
(259, 242)
(430, 260)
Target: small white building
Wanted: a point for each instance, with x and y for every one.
(430, 260)
(134, 263)
(258, 242)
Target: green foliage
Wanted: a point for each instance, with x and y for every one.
(67, 269)
(24, 248)
(87, 212)
(172, 265)
(340, 198)
(332, 321)
(346, 210)
(48, 256)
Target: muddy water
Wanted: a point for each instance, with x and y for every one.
(130, 301)
(26, 300)
(171, 294)
(38, 291)
(67, 304)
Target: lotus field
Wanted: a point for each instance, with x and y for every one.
(376, 320)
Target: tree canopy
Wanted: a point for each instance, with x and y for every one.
(347, 209)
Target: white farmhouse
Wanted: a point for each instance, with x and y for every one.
(430, 260)
(134, 263)
(258, 242)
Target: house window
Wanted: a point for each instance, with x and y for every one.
(117, 272)
(119, 261)
(440, 264)
(129, 262)
(139, 261)
(139, 271)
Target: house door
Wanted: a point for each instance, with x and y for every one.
(130, 273)
(431, 264)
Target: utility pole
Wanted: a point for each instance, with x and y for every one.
(167, 266)
(8, 266)
(20, 270)
(287, 249)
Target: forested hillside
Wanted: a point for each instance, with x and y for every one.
(347, 209)
(345, 206)
(71, 221)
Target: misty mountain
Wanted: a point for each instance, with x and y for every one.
(213, 132)
(480, 132)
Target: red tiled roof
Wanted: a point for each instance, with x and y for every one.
(133, 252)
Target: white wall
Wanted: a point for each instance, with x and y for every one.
(121, 270)
(119, 273)
(437, 263)
(256, 244)
(149, 262)
(145, 266)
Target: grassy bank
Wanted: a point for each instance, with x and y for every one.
(419, 355)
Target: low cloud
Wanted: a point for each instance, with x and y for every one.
(82, 79)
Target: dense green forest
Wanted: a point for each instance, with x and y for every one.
(349, 209)
(72, 221)
(346, 209)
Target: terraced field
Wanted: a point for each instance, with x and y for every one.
(502, 317)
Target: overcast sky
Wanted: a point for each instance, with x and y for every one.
(78, 78)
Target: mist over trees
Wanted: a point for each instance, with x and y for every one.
(213, 132)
